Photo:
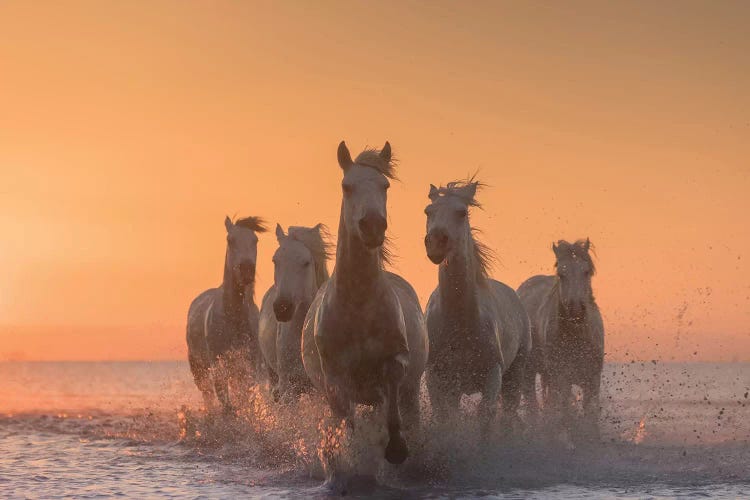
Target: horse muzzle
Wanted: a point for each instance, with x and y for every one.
(283, 309)
(246, 271)
(436, 245)
(372, 230)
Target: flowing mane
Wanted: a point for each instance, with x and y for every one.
(256, 224)
(317, 241)
(578, 249)
(466, 192)
(371, 158)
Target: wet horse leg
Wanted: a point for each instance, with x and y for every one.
(444, 395)
(221, 383)
(410, 405)
(202, 378)
(591, 404)
(394, 371)
(512, 384)
(560, 400)
(529, 384)
(490, 393)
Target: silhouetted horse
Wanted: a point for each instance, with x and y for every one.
(222, 326)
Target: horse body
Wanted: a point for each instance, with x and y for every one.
(533, 293)
(299, 271)
(364, 340)
(569, 329)
(222, 325)
(478, 330)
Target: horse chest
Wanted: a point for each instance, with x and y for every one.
(464, 353)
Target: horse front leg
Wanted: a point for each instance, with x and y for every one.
(394, 372)
(591, 403)
(488, 405)
(221, 384)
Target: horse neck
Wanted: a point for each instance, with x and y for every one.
(358, 268)
(458, 285)
(234, 295)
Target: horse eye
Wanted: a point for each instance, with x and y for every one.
(307, 264)
(347, 188)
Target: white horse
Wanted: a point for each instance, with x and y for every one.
(299, 271)
(222, 325)
(568, 332)
(364, 340)
(479, 331)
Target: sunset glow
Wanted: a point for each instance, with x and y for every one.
(123, 145)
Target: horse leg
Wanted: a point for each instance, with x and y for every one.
(529, 385)
(488, 404)
(221, 383)
(410, 405)
(202, 380)
(241, 374)
(512, 384)
(559, 389)
(273, 383)
(394, 371)
(443, 396)
(591, 404)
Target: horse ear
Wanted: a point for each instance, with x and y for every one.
(587, 245)
(345, 157)
(385, 153)
(555, 248)
(279, 232)
(434, 193)
(228, 223)
(471, 189)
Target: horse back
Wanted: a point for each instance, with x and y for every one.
(533, 294)
(268, 328)
(196, 323)
(512, 321)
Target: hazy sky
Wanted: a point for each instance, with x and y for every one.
(128, 130)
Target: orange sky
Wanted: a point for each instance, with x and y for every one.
(129, 129)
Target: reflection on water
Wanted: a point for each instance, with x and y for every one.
(137, 429)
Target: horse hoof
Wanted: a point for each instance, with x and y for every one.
(397, 450)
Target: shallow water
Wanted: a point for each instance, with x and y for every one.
(136, 430)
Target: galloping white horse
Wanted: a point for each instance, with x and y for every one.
(299, 271)
(364, 340)
(478, 328)
(568, 332)
(222, 325)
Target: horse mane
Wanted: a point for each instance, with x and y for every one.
(318, 241)
(371, 158)
(483, 256)
(256, 224)
(578, 248)
(466, 192)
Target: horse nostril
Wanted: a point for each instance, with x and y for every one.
(371, 223)
(283, 309)
(437, 238)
